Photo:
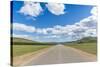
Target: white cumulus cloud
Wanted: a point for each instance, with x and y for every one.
(41, 31)
(26, 36)
(94, 11)
(91, 32)
(20, 36)
(31, 8)
(56, 8)
(23, 27)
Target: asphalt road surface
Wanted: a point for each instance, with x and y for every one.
(61, 54)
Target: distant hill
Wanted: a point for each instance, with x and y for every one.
(16, 39)
(87, 40)
(83, 40)
(22, 41)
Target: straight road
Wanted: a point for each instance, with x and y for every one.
(61, 54)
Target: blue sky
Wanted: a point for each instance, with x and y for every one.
(44, 16)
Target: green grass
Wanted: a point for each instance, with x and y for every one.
(24, 49)
(87, 47)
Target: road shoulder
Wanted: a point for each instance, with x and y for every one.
(92, 57)
(26, 58)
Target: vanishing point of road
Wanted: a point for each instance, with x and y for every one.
(61, 54)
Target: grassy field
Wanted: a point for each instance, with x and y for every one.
(24, 49)
(87, 47)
